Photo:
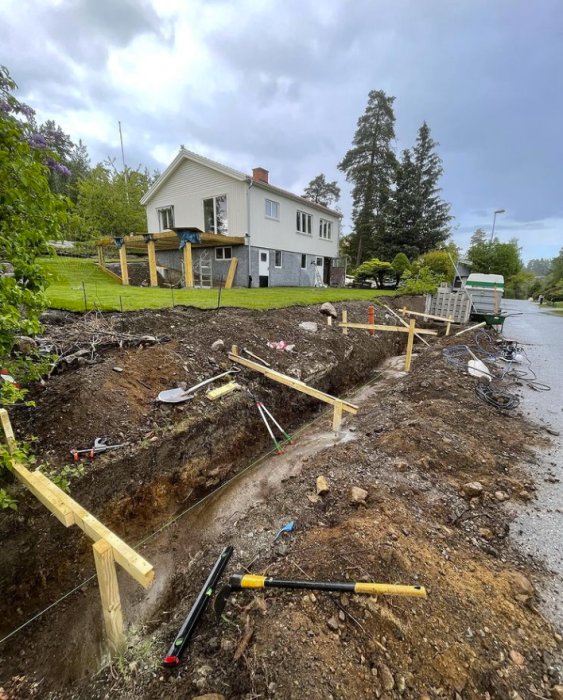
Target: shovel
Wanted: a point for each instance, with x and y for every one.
(179, 395)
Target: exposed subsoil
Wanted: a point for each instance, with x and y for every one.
(417, 440)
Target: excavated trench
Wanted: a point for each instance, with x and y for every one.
(136, 493)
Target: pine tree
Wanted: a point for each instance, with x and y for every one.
(370, 166)
(320, 191)
(420, 218)
(478, 237)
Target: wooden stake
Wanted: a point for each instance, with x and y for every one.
(337, 416)
(8, 433)
(410, 342)
(109, 593)
(188, 270)
(152, 264)
(402, 320)
(123, 265)
(329, 320)
(449, 324)
(344, 320)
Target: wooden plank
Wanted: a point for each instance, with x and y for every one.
(231, 273)
(109, 593)
(329, 320)
(337, 417)
(7, 432)
(188, 269)
(293, 383)
(35, 482)
(471, 328)
(402, 320)
(344, 322)
(215, 394)
(123, 265)
(396, 329)
(435, 318)
(410, 342)
(153, 276)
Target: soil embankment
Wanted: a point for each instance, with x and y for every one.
(416, 443)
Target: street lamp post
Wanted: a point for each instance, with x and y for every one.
(497, 211)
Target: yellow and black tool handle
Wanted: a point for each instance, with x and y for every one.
(241, 581)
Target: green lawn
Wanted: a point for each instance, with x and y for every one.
(74, 276)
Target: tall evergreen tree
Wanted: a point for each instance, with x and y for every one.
(478, 237)
(369, 165)
(420, 218)
(321, 191)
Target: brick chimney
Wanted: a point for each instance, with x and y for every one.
(260, 174)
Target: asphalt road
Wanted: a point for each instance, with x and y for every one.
(539, 526)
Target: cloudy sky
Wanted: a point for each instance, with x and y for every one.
(281, 83)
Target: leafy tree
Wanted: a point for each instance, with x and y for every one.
(419, 217)
(320, 191)
(421, 280)
(439, 262)
(478, 237)
(496, 258)
(539, 266)
(556, 269)
(108, 202)
(400, 265)
(374, 269)
(519, 286)
(370, 166)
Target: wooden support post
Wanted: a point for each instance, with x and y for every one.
(231, 273)
(410, 342)
(123, 265)
(8, 433)
(344, 320)
(329, 320)
(337, 416)
(234, 350)
(109, 593)
(449, 324)
(371, 317)
(152, 263)
(188, 270)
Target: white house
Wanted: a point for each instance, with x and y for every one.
(279, 238)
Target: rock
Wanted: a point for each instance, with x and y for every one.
(312, 498)
(486, 533)
(25, 344)
(118, 369)
(386, 677)
(501, 496)
(322, 486)
(557, 692)
(218, 345)
(327, 309)
(552, 431)
(332, 623)
(309, 326)
(521, 585)
(473, 489)
(358, 495)
(517, 658)
(401, 684)
(210, 696)
(525, 495)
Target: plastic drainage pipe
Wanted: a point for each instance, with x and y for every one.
(198, 608)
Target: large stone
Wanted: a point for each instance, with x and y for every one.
(473, 489)
(218, 345)
(521, 585)
(309, 326)
(322, 486)
(358, 495)
(386, 677)
(332, 623)
(501, 496)
(327, 309)
(517, 658)
(557, 692)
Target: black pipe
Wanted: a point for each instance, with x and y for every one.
(198, 608)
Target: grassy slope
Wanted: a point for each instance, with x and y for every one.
(103, 292)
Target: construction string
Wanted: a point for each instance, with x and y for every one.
(174, 520)
(507, 363)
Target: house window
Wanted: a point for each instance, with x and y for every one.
(303, 261)
(272, 209)
(277, 258)
(304, 222)
(166, 218)
(215, 215)
(223, 253)
(325, 229)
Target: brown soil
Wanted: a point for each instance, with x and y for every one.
(414, 444)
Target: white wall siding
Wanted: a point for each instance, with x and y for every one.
(186, 189)
(282, 234)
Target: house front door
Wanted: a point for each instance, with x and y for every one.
(263, 268)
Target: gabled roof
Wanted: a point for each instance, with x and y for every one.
(184, 153)
(190, 155)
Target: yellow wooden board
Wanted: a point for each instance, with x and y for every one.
(222, 390)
